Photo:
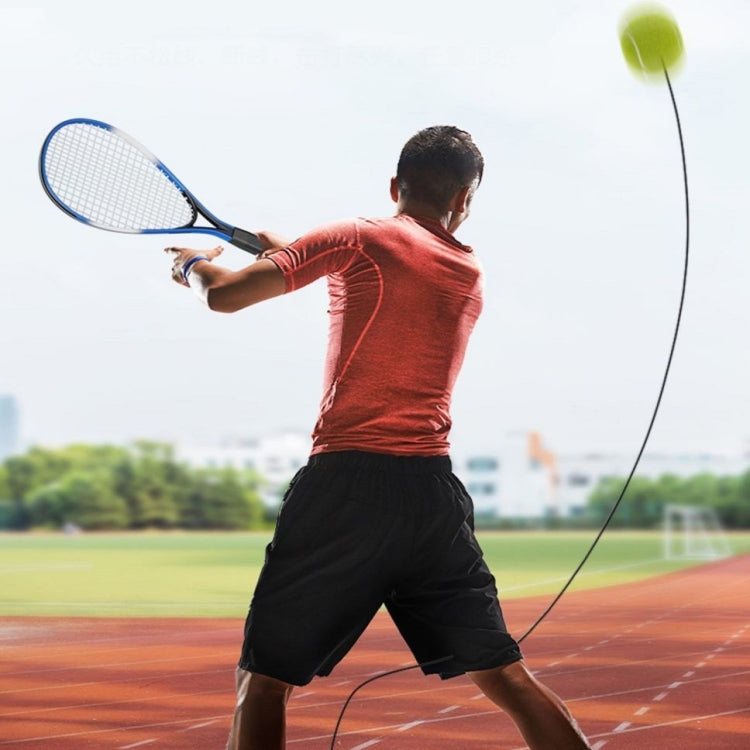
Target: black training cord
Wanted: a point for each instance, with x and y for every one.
(635, 464)
(663, 382)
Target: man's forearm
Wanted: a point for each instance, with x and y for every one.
(227, 291)
(224, 290)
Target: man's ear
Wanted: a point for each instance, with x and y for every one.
(394, 190)
(461, 201)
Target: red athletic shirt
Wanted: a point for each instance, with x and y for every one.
(404, 298)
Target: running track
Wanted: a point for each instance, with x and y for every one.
(659, 664)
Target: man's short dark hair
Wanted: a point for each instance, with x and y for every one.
(436, 163)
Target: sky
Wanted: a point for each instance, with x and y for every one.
(285, 116)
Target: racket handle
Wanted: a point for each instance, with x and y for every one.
(247, 241)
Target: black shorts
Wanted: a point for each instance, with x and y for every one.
(359, 530)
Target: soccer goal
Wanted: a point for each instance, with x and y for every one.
(693, 532)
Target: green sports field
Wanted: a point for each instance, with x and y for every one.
(213, 574)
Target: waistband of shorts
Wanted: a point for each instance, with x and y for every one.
(381, 462)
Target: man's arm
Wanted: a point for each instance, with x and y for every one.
(224, 290)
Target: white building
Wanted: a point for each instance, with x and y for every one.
(516, 478)
(579, 474)
(520, 478)
(276, 458)
(9, 421)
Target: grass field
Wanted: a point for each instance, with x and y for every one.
(213, 574)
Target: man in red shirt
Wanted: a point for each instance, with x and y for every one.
(377, 516)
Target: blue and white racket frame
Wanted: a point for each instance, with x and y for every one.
(240, 238)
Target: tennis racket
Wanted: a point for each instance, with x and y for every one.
(102, 177)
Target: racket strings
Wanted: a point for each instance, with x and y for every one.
(111, 183)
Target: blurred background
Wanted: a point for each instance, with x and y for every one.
(124, 404)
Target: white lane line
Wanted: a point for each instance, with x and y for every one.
(642, 710)
(88, 704)
(648, 727)
(109, 730)
(369, 743)
(686, 720)
(198, 726)
(599, 745)
(661, 696)
(475, 715)
(411, 725)
(621, 727)
(448, 710)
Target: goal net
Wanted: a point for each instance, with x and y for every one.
(693, 532)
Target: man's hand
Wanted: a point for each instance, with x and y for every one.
(271, 243)
(183, 255)
(224, 290)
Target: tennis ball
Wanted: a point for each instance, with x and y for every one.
(651, 40)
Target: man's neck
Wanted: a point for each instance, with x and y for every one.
(419, 210)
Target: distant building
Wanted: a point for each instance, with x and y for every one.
(276, 458)
(579, 474)
(518, 477)
(9, 427)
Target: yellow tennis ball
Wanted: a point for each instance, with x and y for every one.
(651, 40)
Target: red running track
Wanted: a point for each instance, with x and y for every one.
(657, 664)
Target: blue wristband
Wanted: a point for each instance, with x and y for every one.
(186, 268)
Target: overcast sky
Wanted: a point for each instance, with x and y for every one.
(286, 115)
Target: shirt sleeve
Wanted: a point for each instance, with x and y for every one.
(323, 251)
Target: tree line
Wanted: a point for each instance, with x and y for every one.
(144, 486)
(106, 487)
(643, 504)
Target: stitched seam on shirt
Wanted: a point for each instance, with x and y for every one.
(358, 246)
(292, 269)
(370, 320)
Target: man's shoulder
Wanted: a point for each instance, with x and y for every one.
(350, 231)
(331, 234)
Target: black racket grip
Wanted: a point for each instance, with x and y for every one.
(247, 241)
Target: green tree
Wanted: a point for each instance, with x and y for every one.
(40, 467)
(220, 499)
(4, 486)
(140, 486)
(668, 490)
(7, 506)
(645, 499)
(86, 499)
(640, 507)
(151, 482)
(733, 502)
(24, 474)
